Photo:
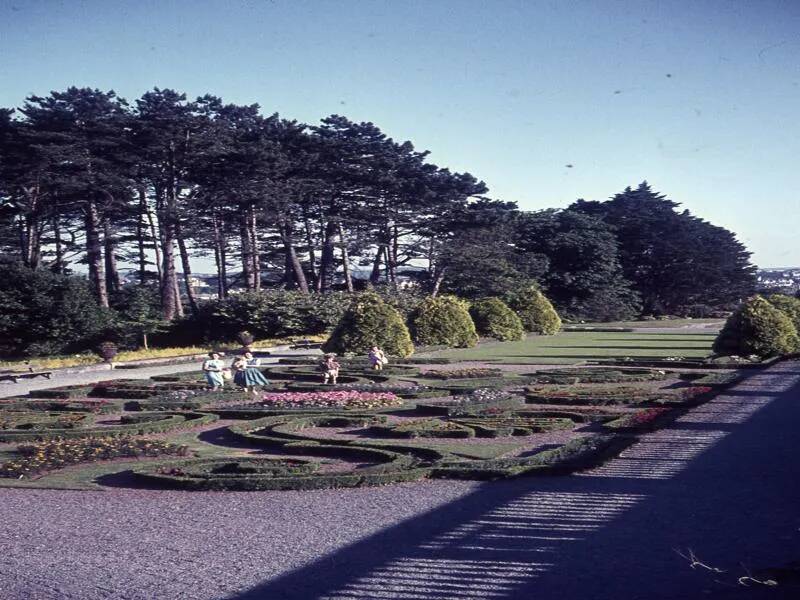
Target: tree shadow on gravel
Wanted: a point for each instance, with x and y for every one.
(723, 494)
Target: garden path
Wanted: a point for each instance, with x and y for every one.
(720, 482)
(21, 388)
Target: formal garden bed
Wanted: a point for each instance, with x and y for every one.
(414, 419)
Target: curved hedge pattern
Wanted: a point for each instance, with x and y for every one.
(161, 423)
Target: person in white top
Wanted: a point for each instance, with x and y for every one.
(377, 358)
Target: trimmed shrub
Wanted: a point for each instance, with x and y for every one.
(757, 327)
(44, 313)
(263, 314)
(370, 322)
(472, 373)
(535, 311)
(493, 318)
(443, 320)
(788, 305)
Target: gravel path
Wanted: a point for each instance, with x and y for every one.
(720, 481)
(8, 389)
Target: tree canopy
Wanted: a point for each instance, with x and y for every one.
(673, 259)
(90, 182)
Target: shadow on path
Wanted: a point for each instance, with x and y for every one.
(719, 482)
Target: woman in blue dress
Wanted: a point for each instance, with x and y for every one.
(213, 368)
(246, 372)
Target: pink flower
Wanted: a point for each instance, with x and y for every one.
(332, 399)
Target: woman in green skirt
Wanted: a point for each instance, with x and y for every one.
(247, 374)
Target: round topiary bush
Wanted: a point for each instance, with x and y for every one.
(535, 311)
(788, 305)
(443, 321)
(493, 318)
(757, 327)
(368, 322)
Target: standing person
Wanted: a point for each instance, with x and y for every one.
(377, 358)
(213, 368)
(330, 368)
(247, 373)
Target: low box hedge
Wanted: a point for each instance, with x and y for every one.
(167, 422)
(595, 375)
(577, 454)
(201, 475)
(425, 428)
(515, 425)
(66, 392)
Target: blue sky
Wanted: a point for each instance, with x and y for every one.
(698, 97)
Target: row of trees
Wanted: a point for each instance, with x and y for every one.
(89, 178)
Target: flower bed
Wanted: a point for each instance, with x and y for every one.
(592, 375)
(475, 373)
(59, 453)
(426, 428)
(345, 399)
(477, 402)
(641, 420)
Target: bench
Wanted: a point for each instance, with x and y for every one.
(16, 376)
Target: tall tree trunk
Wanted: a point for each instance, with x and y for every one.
(437, 282)
(156, 237)
(113, 283)
(170, 296)
(312, 258)
(140, 236)
(256, 253)
(30, 231)
(327, 266)
(178, 299)
(220, 257)
(247, 250)
(94, 253)
(348, 279)
(187, 268)
(59, 266)
(30, 243)
(293, 265)
(391, 257)
(375, 276)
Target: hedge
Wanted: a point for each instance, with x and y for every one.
(426, 428)
(595, 375)
(62, 393)
(515, 425)
(369, 322)
(757, 327)
(396, 469)
(576, 454)
(167, 422)
(493, 318)
(535, 311)
(443, 320)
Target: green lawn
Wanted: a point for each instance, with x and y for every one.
(577, 346)
(710, 324)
